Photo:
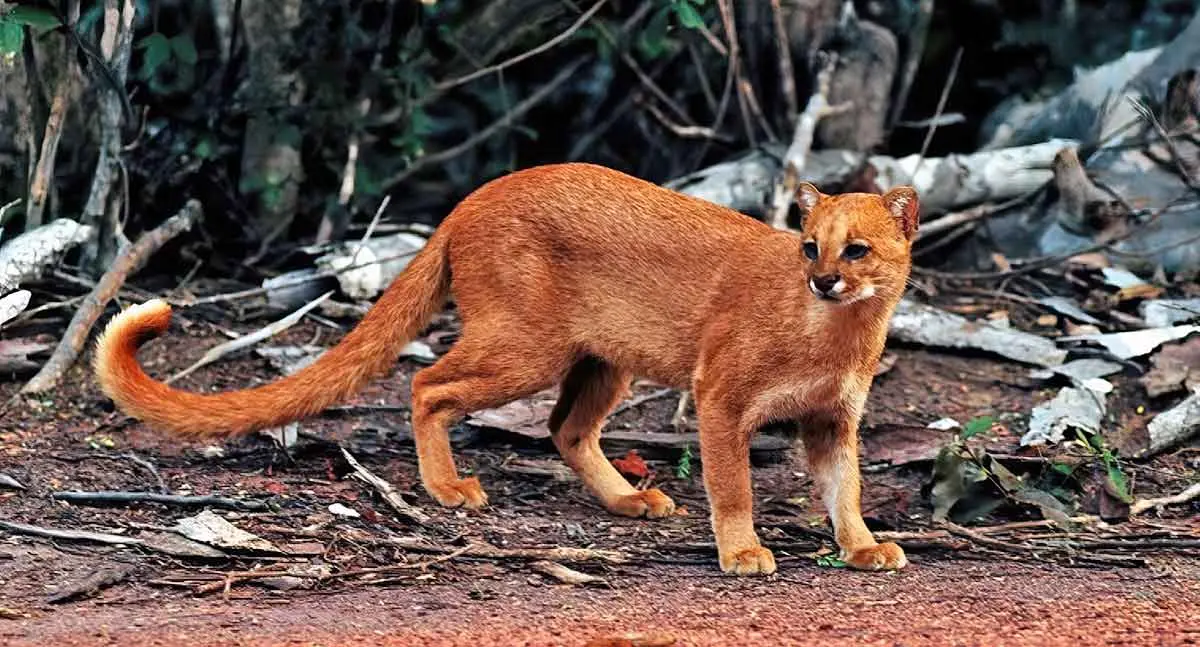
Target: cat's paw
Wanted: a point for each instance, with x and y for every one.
(466, 493)
(748, 561)
(880, 557)
(650, 503)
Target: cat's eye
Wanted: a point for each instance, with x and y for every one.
(811, 251)
(855, 251)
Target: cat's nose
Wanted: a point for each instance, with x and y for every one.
(825, 284)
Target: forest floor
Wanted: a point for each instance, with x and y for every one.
(341, 580)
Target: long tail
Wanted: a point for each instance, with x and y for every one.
(364, 353)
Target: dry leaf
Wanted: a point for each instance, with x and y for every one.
(1175, 368)
(632, 465)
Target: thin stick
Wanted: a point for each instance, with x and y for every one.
(128, 262)
(974, 214)
(688, 132)
(565, 73)
(756, 110)
(787, 72)
(941, 106)
(72, 535)
(115, 497)
(640, 400)
(735, 59)
(383, 205)
(575, 26)
(1148, 114)
(274, 328)
(912, 58)
(487, 551)
(253, 292)
(387, 491)
(39, 187)
(1143, 505)
(149, 467)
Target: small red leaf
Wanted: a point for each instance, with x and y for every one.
(632, 464)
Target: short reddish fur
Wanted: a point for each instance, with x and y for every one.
(578, 275)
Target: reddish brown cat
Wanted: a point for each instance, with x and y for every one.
(579, 275)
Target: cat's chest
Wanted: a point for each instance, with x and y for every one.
(801, 393)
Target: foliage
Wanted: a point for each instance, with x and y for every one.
(976, 426)
(683, 469)
(830, 560)
(13, 23)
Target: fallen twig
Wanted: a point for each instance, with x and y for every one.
(75, 535)
(564, 574)
(274, 328)
(149, 467)
(107, 497)
(933, 539)
(128, 261)
(389, 493)
(1038, 550)
(1144, 505)
(393, 568)
(640, 400)
(487, 551)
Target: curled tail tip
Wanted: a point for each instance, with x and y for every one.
(149, 318)
(131, 327)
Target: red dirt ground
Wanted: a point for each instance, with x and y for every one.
(72, 440)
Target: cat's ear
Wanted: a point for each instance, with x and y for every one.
(807, 196)
(904, 206)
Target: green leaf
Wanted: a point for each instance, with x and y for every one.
(1118, 484)
(652, 41)
(419, 122)
(688, 16)
(683, 469)
(830, 561)
(1063, 468)
(35, 17)
(976, 426)
(158, 51)
(12, 36)
(185, 48)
